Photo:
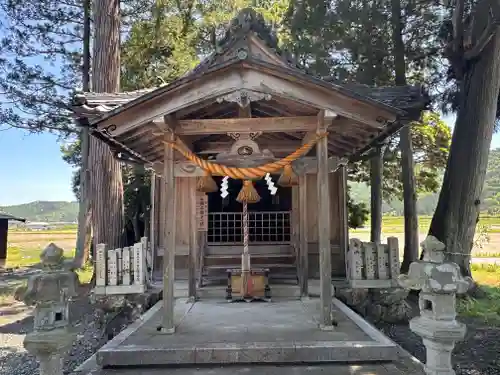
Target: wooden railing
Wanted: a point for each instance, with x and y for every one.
(122, 271)
(373, 265)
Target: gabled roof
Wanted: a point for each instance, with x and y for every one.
(402, 97)
(249, 59)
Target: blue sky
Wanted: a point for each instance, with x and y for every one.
(32, 168)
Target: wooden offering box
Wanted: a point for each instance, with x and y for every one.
(257, 285)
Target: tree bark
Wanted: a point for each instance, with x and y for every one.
(454, 221)
(406, 147)
(376, 165)
(84, 235)
(107, 187)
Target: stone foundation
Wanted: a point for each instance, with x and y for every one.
(115, 313)
(387, 305)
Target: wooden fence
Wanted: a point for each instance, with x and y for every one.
(122, 271)
(373, 265)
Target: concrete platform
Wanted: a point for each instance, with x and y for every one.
(216, 332)
(404, 366)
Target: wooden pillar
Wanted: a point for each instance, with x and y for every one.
(160, 226)
(169, 237)
(295, 227)
(303, 248)
(376, 171)
(344, 235)
(325, 252)
(193, 241)
(4, 228)
(153, 224)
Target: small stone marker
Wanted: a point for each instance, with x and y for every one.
(439, 282)
(50, 292)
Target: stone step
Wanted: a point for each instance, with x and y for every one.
(231, 259)
(271, 266)
(277, 279)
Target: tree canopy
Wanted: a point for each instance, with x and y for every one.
(350, 41)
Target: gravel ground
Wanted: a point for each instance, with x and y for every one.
(14, 360)
(478, 354)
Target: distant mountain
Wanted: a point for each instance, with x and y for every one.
(44, 211)
(426, 203)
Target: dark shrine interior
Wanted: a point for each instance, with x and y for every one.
(269, 219)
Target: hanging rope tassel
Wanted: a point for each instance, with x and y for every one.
(207, 184)
(288, 178)
(248, 193)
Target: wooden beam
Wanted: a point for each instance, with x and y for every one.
(278, 145)
(169, 241)
(325, 251)
(241, 125)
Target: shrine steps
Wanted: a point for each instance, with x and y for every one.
(282, 267)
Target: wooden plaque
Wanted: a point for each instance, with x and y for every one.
(202, 211)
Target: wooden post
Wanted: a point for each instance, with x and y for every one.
(325, 252)
(193, 246)
(160, 226)
(4, 228)
(295, 226)
(169, 237)
(153, 223)
(344, 236)
(376, 195)
(303, 249)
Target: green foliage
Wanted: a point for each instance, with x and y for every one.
(431, 139)
(486, 308)
(491, 191)
(44, 211)
(426, 203)
(71, 154)
(357, 212)
(39, 63)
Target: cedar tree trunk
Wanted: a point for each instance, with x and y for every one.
(107, 187)
(454, 221)
(405, 144)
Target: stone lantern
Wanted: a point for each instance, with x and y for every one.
(50, 292)
(439, 282)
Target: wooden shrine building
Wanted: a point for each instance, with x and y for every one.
(244, 105)
(4, 229)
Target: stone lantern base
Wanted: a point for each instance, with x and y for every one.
(48, 347)
(439, 339)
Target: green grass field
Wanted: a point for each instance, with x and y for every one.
(393, 226)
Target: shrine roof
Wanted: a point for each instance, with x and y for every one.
(4, 216)
(404, 98)
(249, 60)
